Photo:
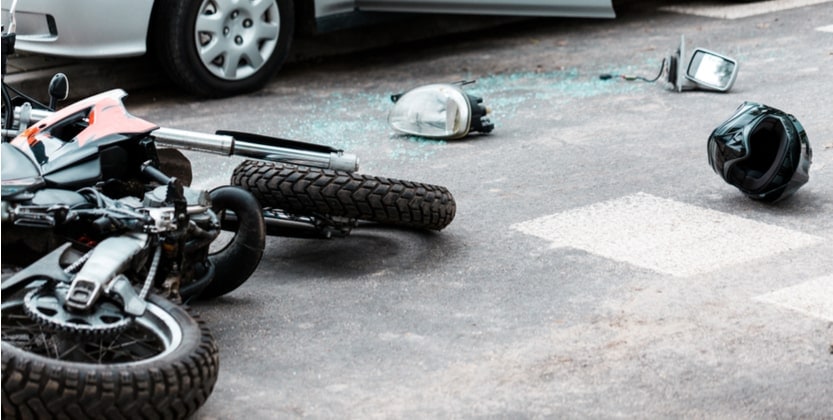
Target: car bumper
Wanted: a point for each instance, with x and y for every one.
(82, 28)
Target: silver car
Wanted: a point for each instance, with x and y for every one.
(225, 47)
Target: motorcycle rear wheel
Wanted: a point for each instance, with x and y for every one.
(314, 191)
(166, 367)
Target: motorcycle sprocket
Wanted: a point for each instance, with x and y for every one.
(46, 306)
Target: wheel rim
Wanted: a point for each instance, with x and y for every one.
(151, 336)
(235, 38)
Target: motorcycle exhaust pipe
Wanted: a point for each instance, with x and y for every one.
(258, 147)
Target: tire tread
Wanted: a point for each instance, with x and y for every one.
(306, 190)
(32, 389)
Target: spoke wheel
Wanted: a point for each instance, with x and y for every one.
(163, 365)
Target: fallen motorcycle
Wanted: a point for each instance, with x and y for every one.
(93, 323)
(100, 245)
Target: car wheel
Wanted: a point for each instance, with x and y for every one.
(222, 47)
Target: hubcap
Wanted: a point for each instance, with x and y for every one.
(235, 38)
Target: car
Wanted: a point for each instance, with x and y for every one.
(225, 47)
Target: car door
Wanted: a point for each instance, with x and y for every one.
(564, 8)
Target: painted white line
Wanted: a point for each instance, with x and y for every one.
(828, 28)
(664, 235)
(737, 11)
(813, 298)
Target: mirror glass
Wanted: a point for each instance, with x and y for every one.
(433, 111)
(711, 70)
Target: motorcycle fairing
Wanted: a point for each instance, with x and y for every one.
(19, 173)
(88, 122)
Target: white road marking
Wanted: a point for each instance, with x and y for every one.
(813, 298)
(721, 10)
(828, 28)
(664, 235)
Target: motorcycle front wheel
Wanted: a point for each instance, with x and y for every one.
(314, 191)
(164, 365)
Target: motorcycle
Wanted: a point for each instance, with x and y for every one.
(101, 245)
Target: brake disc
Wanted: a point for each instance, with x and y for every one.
(46, 305)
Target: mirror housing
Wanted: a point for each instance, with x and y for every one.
(439, 111)
(706, 70)
(58, 89)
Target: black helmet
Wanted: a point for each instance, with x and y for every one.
(762, 151)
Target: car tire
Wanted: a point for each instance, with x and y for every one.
(213, 51)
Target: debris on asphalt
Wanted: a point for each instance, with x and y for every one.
(439, 111)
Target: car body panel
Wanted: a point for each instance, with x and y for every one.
(565, 8)
(325, 8)
(114, 28)
(61, 27)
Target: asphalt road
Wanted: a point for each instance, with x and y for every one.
(597, 267)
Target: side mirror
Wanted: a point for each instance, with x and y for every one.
(58, 89)
(706, 70)
(439, 111)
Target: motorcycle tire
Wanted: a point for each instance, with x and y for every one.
(236, 259)
(313, 191)
(172, 381)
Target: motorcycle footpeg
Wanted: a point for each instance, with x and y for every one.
(34, 216)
